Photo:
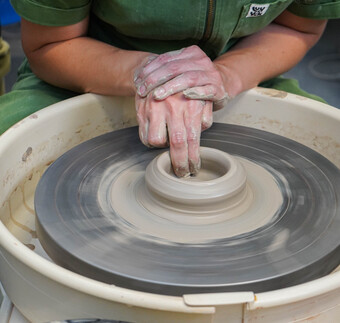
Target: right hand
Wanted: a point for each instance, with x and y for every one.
(176, 121)
(188, 70)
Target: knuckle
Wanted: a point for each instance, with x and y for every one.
(194, 108)
(193, 135)
(195, 49)
(150, 109)
(157, 140)
(177, 139)
(173, 109)
(150, 81)
(193, 78)
(172, 68)
(163, 58)
(206, 61)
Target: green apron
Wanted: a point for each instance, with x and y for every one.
(153, 26)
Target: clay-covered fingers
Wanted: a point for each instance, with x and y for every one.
(196, 84)
(168, 66)
(188, 70)
(186, 120)
(157, 130)
(210, 92)
(151, 117)
(176, 121)
(162, 123)
(174, 71)
(178, 143)
(154, 62)
(193, 117)
(140, 68)
(143, 123)
(207, 115)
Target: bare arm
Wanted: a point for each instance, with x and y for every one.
(67, 58)
(255, 58)
(268, 53)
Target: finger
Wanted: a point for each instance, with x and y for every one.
(137, 75)
(168, 72)
(211, 92)
(187, 80)
(207, 115)
(220, 104)
(142, 120)
(193, 120)
(192, 52)
(178, 142)
(156, 114)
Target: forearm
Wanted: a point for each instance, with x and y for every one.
(83, 64)
(87, 65)
(264, 55)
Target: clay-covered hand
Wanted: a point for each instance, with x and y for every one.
(176, 121)
(188, 70)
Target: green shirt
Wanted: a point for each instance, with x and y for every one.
(155, 26)
(161, 26)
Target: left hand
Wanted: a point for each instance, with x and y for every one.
(176, 121)
(188, 70)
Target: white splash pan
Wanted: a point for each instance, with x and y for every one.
(45, 292)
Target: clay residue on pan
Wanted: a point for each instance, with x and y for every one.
(271, 92)
(26, 154)
(325, 145)
(19, 181)
(17, 213)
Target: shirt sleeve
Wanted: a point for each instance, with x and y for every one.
(316, 9)
(52, 12)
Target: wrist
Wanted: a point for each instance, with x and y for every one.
(132, 60)
(232, 82)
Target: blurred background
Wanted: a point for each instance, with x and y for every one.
(317, 73)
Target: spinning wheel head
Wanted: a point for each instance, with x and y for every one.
(262, 214)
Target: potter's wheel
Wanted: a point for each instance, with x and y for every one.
(99, 214)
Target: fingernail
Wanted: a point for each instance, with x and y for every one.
(194, 167)
(141, 89)
(137, 79)
(182, 172)
(151, 58)
(159, 93)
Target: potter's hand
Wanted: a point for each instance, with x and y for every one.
(189, 70)
(176, 121)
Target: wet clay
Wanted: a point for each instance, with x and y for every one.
(230, 196)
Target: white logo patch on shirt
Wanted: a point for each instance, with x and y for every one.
(257, 10)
